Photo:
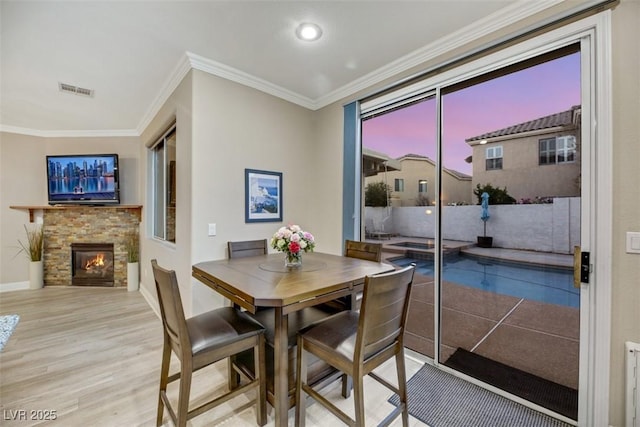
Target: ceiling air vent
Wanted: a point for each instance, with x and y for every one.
(64, 87)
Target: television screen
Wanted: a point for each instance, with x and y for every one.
(83, 178)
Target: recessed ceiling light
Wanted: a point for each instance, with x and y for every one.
(308, 32)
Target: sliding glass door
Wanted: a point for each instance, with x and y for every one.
(483, 188)
(402, 140)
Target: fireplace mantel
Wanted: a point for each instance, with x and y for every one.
(64, 225)
(33, 209)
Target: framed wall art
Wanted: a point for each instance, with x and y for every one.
(263, 196)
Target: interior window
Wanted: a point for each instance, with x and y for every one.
(163, 154)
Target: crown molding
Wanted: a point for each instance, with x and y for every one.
(494, 22)
(69, 133)
(221, 70)
(179, 72)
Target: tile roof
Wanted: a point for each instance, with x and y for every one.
(564, 118)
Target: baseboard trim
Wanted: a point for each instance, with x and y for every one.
(15, 286)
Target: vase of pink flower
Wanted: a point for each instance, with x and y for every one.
(293, 241)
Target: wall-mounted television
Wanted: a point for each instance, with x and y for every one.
(83, 179)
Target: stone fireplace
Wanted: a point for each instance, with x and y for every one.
(92, 264)
(68, 225)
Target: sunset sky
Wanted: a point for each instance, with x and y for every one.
(526, 95)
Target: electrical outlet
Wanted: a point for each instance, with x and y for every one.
(212, 229)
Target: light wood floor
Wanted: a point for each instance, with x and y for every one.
(92, 357)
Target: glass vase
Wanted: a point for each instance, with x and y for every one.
(292, 260)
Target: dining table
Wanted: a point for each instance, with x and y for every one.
(265, 281)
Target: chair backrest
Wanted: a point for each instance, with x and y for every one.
(171, 311)
(247, 248)
(384, 310)
(363, 250)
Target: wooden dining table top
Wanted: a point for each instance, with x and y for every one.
(264, 281)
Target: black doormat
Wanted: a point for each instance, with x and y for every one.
(556, 397)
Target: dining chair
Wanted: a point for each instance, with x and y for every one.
(246, 248)
(356, 343)
(199, 342)
(361, 250)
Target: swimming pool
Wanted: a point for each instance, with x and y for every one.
(548, 284)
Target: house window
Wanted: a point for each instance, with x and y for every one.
(422, 186)
(163, 162)
(399, 185)
(556, 150)
(494, 158)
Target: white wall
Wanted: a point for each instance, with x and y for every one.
(545, 227)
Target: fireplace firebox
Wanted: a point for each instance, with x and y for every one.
(92, 264)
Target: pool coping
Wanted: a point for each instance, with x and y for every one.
(515, 255)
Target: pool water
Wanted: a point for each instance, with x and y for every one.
(543, 284)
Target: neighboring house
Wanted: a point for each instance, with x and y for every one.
(414, 183)
(538, 158)
(374, 162)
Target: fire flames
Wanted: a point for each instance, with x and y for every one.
(96, 263)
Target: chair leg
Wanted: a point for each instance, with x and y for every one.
(301, 379)
(233, 377)
(261, 376)
(186, 371)
(402, 387)
(164, 375)
(358, 399)
(347, 385)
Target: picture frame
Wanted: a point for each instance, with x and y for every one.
(263, 196)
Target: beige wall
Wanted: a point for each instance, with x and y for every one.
(234, 128)
(177, 257)
(326, 166)
(521, 174)
(625, 287)
(23, 182)
(222, 129)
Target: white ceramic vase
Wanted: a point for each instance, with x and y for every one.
(36, 275)
(133, 276)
